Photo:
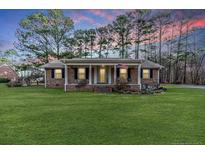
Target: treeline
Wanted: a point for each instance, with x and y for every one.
(167, 37)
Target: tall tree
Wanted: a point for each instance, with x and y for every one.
(81, 43)
(91, 34)
(43, 35)
(60, 28)
(122, 27)
(11, 53)
(140, 20)
(109, 40)
(162, 19)
(102, 39)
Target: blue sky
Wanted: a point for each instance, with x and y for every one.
(9, 20)
(83, 19)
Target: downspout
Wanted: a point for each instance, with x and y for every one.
(139, 76)
(45, 82)
(66, 77)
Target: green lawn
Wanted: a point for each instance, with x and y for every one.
(50, 116)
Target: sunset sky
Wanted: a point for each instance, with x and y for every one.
(9, 20)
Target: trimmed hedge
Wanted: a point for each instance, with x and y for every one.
(4, 80)
(14, 84)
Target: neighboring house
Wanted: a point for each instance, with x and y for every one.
(7, 71)
(97, 73)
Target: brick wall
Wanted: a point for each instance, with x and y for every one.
(8, 72)
(79, 88)
(134, 76)
(71, 75)
(153, 80)
(52, 82)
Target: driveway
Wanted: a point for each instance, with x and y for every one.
(190, 86)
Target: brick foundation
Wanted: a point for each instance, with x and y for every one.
(98, 88)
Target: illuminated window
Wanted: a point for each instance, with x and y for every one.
(58, 73)
(123, 73)
(81, 73)
(102, 75)
(146, 73)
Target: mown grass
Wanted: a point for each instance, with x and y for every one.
(31, 115)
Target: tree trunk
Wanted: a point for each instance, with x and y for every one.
(185, 65)
(177, 58)
(185, 58)
(58, 51)
(160, 44)
(100, 51)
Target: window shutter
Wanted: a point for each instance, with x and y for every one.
(118, 72)
(76, 73)
(63, 73)
(52, 73)
(141, 73)
(87, 73)
(151, 73)
(129, 73)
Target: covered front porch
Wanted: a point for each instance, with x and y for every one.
(92, 75)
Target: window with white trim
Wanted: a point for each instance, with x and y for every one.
(58, 74)
(123, 73)
(146, 73)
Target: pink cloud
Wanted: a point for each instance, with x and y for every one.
(102, 13)
(78, 17)
(193, 23)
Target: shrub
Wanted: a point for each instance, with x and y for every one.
(121, 86)
(82, 83)
(14, 84)
(4, 80)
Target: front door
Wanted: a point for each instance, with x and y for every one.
(102, 75)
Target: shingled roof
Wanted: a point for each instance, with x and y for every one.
(62, 62)
(150, 64)
(101, 60)
(54, 64)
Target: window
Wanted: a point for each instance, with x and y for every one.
(146, 73)
(123, 73)
(102, 75)
(58, 73)
(81, 73)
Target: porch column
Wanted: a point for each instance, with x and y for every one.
(90, 75)
(95, 75)
(139, 75)
(115, 73)
(158, 76)
(66, 77)
(109, 75)
(45, 82)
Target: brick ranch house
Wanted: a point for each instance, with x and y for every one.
(100, 73)
(8, 72)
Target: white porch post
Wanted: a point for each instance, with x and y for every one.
(158, 76)
(90, 75)
(95, 75)
(45, 82)
(139, 75)
(115, 73)
(66, 77)
(109, 75)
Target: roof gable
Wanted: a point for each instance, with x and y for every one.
(150, 64)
